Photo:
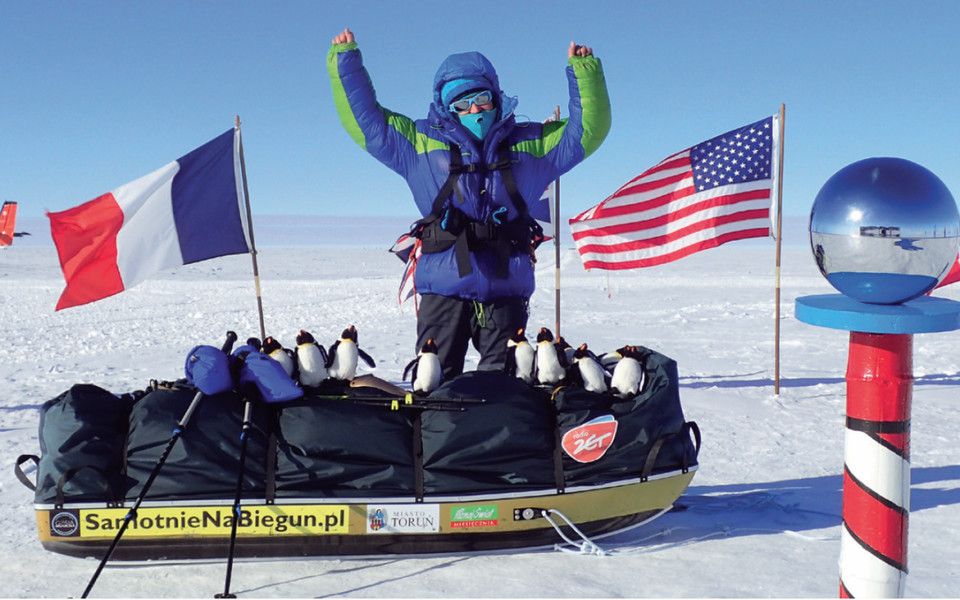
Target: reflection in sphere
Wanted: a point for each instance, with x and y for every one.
(884, 230)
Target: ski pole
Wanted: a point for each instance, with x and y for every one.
(409, 401)
(132, 513)
(244, 437)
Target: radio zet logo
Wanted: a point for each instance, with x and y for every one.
(590, 441)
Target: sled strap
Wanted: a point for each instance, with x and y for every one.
(68, 475)
(692, 426)
(655, 450)
(652, 457)
(23, 476)
(558, 478)
(270, 492)
(417, 456)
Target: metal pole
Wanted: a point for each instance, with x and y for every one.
(237, 512)
(556, 237)
(776, 343)
(253, 245)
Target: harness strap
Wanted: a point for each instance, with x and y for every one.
(503, 165)
(500, 238)
(450, 185)
(461, 249)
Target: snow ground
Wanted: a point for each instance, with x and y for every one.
(762, 515)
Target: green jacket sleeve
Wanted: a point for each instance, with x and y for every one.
(390, 137)
(589, 90)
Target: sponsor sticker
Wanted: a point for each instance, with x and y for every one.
(589, 442)
(403, 518)
(64, 523)
(480, 515)
(270, 520)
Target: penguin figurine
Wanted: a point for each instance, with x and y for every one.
(609, 360)
(312, 360)
(628, 375)
(520, 357)
(273, 349)
(426, 369)
(590, 372)
(343, 356)
(551, 363)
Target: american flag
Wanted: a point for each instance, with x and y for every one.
(716, 192)
(408, 249)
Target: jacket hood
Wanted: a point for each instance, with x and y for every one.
(468, 65)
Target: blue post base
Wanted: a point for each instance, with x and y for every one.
(837, 311)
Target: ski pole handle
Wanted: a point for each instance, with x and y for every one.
(228, 343)
(226, 348)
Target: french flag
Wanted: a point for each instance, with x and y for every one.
(185, 212)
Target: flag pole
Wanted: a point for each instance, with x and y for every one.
(776, 345)
(253, 246)
(556, 238)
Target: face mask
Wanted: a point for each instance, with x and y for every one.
(478, 123)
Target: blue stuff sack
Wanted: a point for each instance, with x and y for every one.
(208, 369)
(262, 378)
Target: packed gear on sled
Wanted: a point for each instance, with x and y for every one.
(478, 463)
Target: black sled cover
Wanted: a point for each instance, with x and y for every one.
(490, 433)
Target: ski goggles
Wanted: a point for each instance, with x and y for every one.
(479, 98)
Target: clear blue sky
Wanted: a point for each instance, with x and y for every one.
(94, 94)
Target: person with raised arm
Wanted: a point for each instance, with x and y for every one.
(473, 169)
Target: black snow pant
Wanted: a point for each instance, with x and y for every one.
(454, 322)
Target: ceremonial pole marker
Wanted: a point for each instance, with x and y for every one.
(884, 232)
(876, 473)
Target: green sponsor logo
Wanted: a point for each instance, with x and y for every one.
(483, 515)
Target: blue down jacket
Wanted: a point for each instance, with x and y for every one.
(419, 150)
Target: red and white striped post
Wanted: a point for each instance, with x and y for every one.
(876, 470)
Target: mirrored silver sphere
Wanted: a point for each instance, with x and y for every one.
(884, 230)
